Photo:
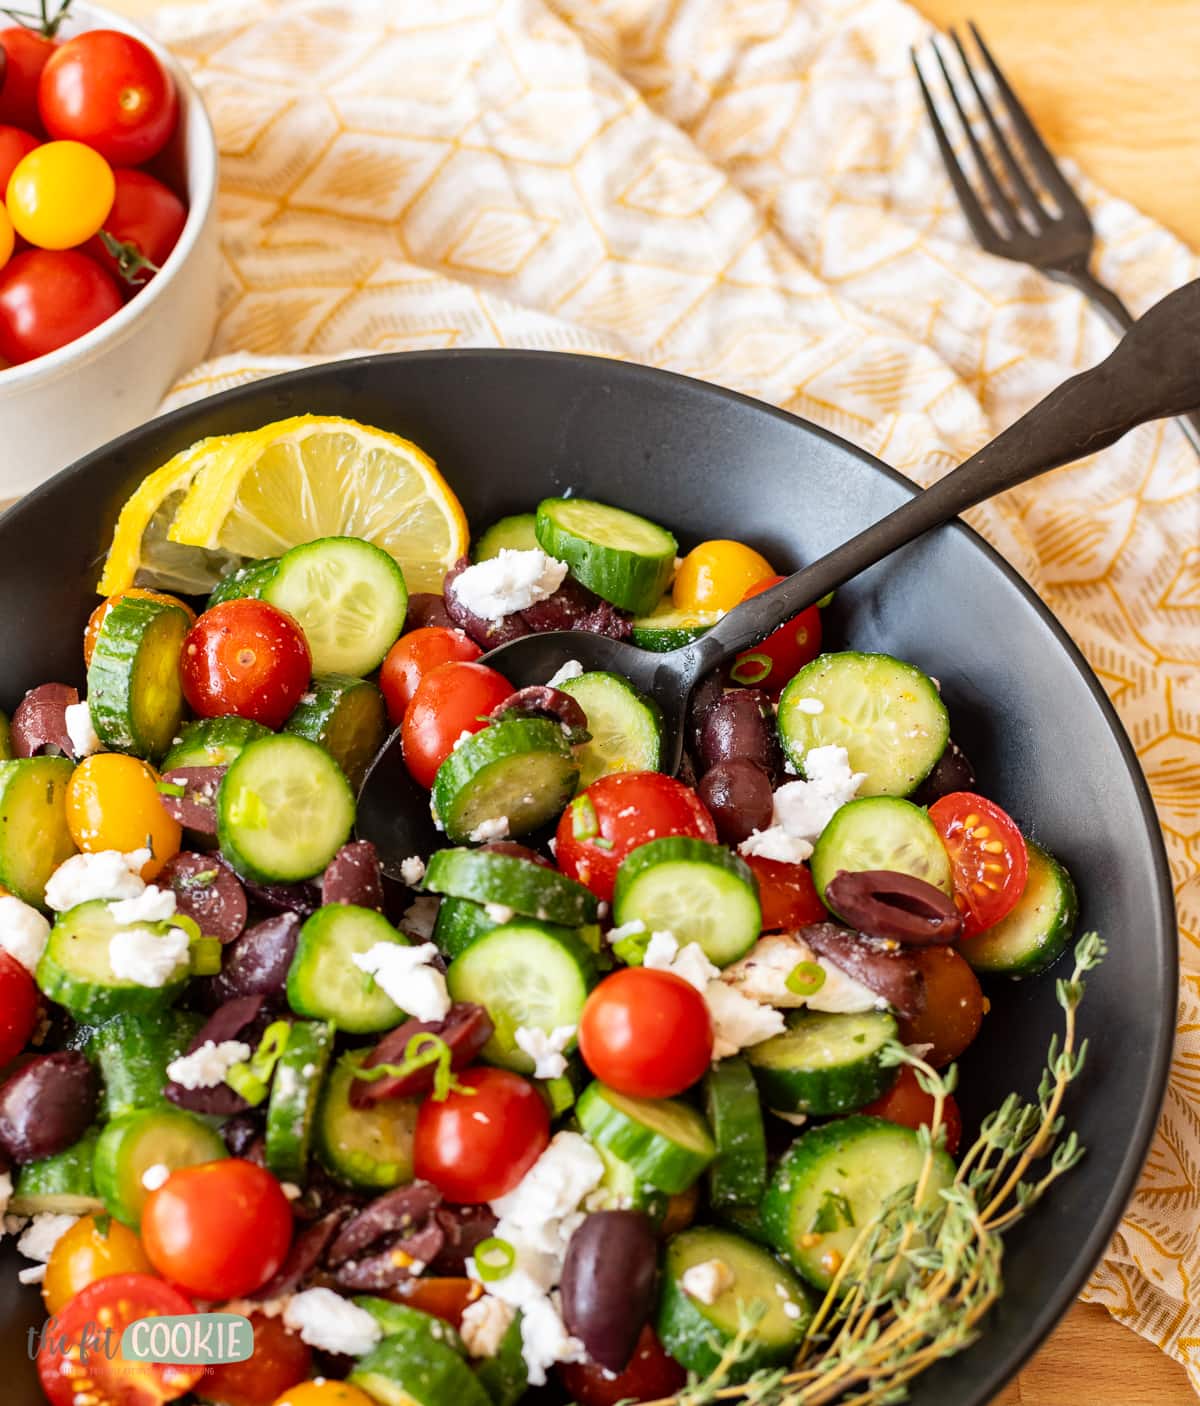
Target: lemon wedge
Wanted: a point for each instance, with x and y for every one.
(321, 476)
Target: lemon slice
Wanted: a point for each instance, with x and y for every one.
(316, 476)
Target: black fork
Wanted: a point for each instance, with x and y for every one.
(1007, 215)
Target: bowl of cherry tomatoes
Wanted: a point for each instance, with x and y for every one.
(109, 261)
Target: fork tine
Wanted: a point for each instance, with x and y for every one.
(999, 196)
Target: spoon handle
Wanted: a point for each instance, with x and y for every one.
(1151, 374)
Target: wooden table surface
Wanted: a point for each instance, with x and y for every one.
(1113, 85)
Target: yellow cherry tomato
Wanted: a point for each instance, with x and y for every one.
(324, 1392)
(93, 1248)
(7, 237)
(59, 195)
(113, 803)
(716, 575)
(96, 619)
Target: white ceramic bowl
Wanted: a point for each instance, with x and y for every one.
(57, 407)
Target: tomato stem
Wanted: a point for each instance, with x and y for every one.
(44, 22)
(130, 259)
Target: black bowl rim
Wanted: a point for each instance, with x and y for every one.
(1138, 1146)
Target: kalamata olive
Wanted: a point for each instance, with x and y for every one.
(40, 720)
(882, 965)
(517, 851)
(257, 963)
(487, 634)
(425, 610)
(46, 1105)
(206, 892)
(741, 724)
(738, 795)
(242, 1018)
(881, 903)
(303, 897)
(542, 701)
(304, 1255)
(571, 607)
(464, 1227)
(239, 1132)
(608, 1282)
(403, 1257)
(195, 808)
(466, 1028)
(706, 693)
(353, 876)
(951, 772)
(401, 1211)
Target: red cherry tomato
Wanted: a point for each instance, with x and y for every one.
(787, 894)
(618, 813)
(449, 700)
(907, 1102)
(646, 1033)
(783, 653)
(15, 142)
(954, 1006)
(49, 298)
(651, 1375)
(988, 856)
(217, 1229)
(147, 217)
(26, 52)
(477, 1146)
(413, 656)
(245, 657)
(18, 1007)
(279, 1361)
(107, 89)
(79, 1358)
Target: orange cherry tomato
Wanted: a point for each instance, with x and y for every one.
(93, 1248)
(907, 1102)
(113, 802)
(96, 619)
(987, 854)
(324, 1392)
(954, 1006)
(716, 575)
(280, 1362)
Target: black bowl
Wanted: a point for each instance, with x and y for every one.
(507, 428)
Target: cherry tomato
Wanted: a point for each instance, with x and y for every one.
(787, 894)
(650, 1376)
(49, 298)
(96, 619)
(954, 1006)
(15, 143)
(74, 1362)
(26, 52)
(18, 1007)
(280, 1361)
(108, 89)
(245, 657)
(413, 656)
(907, 1102)
(217, 1229)
(618, 813)
(988, 856)
(113, 802)
(146, 219)
(93, 1248)
(478, 1146)
(717, 575)
(646, 1032)
(784, 652)
(60, 194)
(442, 1295)
(449, 700)
(323, 1392)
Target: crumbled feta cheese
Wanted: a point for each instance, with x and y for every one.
(155, 1175)
(508, 582)
(546, 1050)
(412, 870)
(602, 910)
(802, 809)
(499, 912)
(737, 1020)
(663, 953)
(334, 1324)
(484, 1324)
(542, 1209)
(293, 1192)
(775, 843)
(488, 830)
(106, 874)
(565, 673)
(762, 974)
(464, 736)
(552, 846)
(797, 1120)
(6, 1188)
(31, 1274)
(545, 1340)
(633, 928)
(812, 706)
(43, 1232)
(207, 1067)
(152, 905)
(23, 931)
(707, 1281)
(146, 957)
(405, 974)
(81, 730)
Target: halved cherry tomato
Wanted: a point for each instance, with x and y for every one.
(413, 656)
(280, 1360)
(449, 700)
(247, 658)
(478, 1146)
(650, 1376)
(787, 894)
(96, 619)
(26, 52)
(18, 1007)
(646, 1032)
(954, 1006)
(907, 1102)
(79, 1358)
(146, 219)
(93, 1248)
(49, 297)
(783, 653)
(716, 575)
(445, 1296)
(15, 143)
(113, 802)
(618, 813)
(987, 854)
(324, 1392)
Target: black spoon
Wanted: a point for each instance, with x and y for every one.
(1153, 373)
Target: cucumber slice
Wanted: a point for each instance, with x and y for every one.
(347, 717)
(295, 1090)
(323, 981)
(621, 1189)
(887, 714)
(246, 582)
(746, 1221)
(75, 970)
(399, 1318)
(625, 559)
(349, 597)
(1034, 934)
(62, 1184)
(521, 770)
(515, 534)
(665, 1142)
(512, 882)
(370, 1148)
(695, 1333)
(626, 726)
(34, 839)
(133, 1051)
(284, 810)
(415, 1368)
(836, 1178)
(504, 1376)
(825, 1063)
(523, 973)
(668, 628)
(459, 922)
(5, 737)
(738, 1175)
(698, 891)
(135, 693)
(213, 742)
(881, 832)
(170, 1137)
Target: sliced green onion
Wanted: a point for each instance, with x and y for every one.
(751, 668)
(204, 956)
(805, 979)
(584, 822)
(602, 842)
(196, 881)
(250, 1078)
(494, 1259)
(424, 1049)
(171, 788)
(825, 600)
(243, 1080)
